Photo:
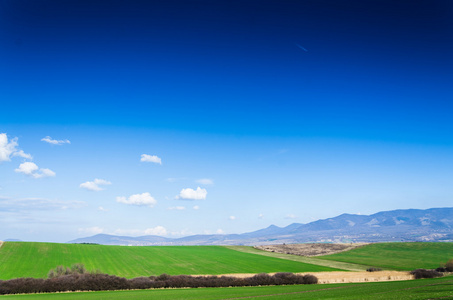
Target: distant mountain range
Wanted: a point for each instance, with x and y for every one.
(429, 225)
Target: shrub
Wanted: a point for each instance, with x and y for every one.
(140, 283)
(373, 269)
(422, 273)
(449, 265)
(62, 271)
(310, 279)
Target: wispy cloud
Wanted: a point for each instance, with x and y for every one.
(300, 47)
(158, 230)
(151, 158)
(232, 218)
(177, 208)
(33, 204)
(144, 199)
(191, 194)
(49, 140)
(91, 230)
(290, 216)
(95, 185)
(175, 179)
(31, 169)
(22, 154)
(205, 181)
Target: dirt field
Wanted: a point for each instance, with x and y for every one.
(346, 277)
(314, 249)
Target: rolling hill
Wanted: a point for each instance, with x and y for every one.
(29, 259)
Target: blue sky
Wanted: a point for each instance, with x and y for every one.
(249, 113)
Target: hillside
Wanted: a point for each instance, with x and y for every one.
(407, 225)
(397, 256)
(25, 259)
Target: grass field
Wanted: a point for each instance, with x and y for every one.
(304, 259)
(439, 288)
(397, 256)
(26, 259)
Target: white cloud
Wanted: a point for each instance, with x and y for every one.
(91, 230)
(28, 168)
(44, 173)
(9, 148)
(151, 158)
(95, 185)
(220, 231)
(21, 153)
(49, 140)
(260, 216)
(191, 194)
(158, 230)
(31, 169)
(290, 216)
(177, 208)
(184, 232)
(232, 218)
(143, 199)
(196, 207)
(205, 181)
(101, 208)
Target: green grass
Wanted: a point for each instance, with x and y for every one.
(397, 256)
(413, 289)
(26, 259)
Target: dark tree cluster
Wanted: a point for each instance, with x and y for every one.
(103, 282)
(373, 269)
(423, 273)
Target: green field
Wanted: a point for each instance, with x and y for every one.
(439, 288)
(397, 256)
(26, 259)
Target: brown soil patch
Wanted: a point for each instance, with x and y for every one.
(344, 277)
(1, 244)
(312, 249)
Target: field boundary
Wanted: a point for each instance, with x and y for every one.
(341, 276)
(303, 259)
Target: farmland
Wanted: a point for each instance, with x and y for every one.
(397, 256)
(20, 259)
(28, 259)
(414, 289)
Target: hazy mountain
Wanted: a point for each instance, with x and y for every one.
(435, 224)
(106, 239)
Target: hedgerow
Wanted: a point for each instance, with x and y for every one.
(422, 273)
(102, 282)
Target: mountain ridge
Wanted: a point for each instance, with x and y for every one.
(433, 225)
